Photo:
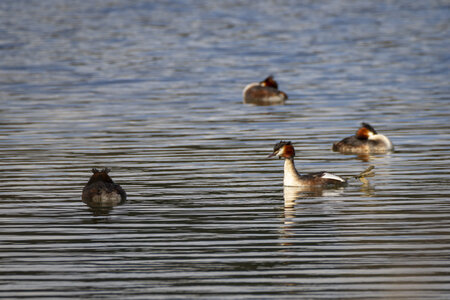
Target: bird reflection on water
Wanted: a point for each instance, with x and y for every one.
(293, 197)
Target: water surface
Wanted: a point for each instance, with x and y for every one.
(152, 90)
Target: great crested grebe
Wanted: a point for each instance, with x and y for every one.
(264, 92)
(284, 149)
(366, 140)
(101, 191)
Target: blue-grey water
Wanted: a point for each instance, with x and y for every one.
(153, 90)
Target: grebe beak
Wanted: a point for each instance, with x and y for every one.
(275, 153)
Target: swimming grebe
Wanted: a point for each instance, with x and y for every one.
(293, 178)
(264, 92)
(366, 140)
(101, 191)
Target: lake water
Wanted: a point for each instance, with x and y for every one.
(153, 90)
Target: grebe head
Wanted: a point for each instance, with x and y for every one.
(269, 81)
(100, 176)
(365, 132)
(283, 149)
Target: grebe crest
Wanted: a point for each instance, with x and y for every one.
(269, 81)
(365, 140)
(102, 191)
(100, 176)
(365, 132)
(264, 92)
(285, 149)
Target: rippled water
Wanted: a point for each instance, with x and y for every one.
(153, 91)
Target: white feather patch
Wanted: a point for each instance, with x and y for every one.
(383, 139)
(249, 86)
(331, 176)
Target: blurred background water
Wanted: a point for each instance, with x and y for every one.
(153, 90)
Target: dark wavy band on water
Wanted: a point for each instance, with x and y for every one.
(153, 91)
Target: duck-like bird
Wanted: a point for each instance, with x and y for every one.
(264, 93)
(285, 149)
(101, 191)
(366, 140)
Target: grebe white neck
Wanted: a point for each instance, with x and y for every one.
(249, 86)
(291, 176)
(383, 139)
